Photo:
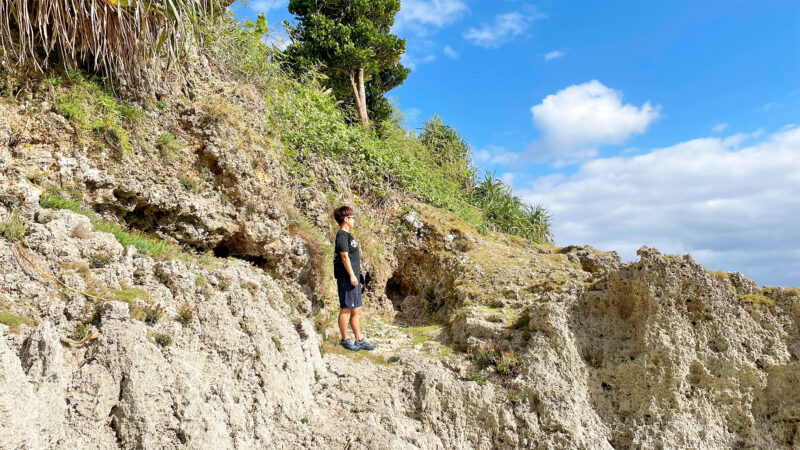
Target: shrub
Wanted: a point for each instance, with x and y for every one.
(164, 340)
(507, 213)
(152, 314)
(393, 359)
(185, 315)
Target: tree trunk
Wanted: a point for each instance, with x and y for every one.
(359, 93)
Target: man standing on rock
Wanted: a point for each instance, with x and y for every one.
(347, 270)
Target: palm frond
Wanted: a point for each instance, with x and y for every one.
(129, 40)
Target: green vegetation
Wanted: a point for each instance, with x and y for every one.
(507, 213)
(92, 109)
(13, 229)
(449, 151)
(14, 322)
(393, 359)
(80, 331)
(185, 316)
(129, 296)
(100, 260)
(757, 299)
(163, 340)
(360, 58)
(152, 314)
(277, 343)
(190, 184)
(54, 198)
(478, 378)
(168, 145)
(118, 38)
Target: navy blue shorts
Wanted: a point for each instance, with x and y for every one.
(349, 295)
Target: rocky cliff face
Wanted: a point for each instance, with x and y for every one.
(228, 342)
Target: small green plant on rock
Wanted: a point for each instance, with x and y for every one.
(185, 315)
(393, 359)
(164, 340)
(152, 314)
(277, 343)
(478, 378)
(80, 331)
(190, 184)
(100, 260)
(13, 229)
(168, 145)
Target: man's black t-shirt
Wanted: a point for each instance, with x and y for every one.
(345, 242)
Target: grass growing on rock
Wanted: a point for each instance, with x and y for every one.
(757, 299)
(55, 199)
(95, 111)
(13, 229)
(14, 321)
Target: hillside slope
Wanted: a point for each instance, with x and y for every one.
(215, 325)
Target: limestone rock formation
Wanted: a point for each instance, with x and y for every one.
(228, 339)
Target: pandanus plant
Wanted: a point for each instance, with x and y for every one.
(120, 38)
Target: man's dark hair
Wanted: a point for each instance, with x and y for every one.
(342, 212)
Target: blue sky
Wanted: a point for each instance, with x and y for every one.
(665, 123)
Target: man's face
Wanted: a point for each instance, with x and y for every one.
(351, 220)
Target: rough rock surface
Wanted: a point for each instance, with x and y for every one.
(484, 341)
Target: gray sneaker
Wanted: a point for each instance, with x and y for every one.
(348, 344)
(364, 345)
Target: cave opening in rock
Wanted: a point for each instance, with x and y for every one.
(396, 291)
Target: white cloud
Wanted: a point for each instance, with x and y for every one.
(577, 120)
(493, 154)
(420, 16)
(555, 54)
(449, 52)
(412, 61)
(719, 128)
(734, 209)
(504, 28)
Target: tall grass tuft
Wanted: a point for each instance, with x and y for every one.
(507, 213)
(116, 37)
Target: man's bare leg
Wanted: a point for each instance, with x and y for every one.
(344, 317)
(355, 323)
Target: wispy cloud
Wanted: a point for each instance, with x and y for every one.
(504, 29)
(555, 54)
(449, 52)
(732, 207)
(719, 128)
(577, 120)
(424, 16)
(495, 155)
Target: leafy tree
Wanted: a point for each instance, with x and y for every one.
(351, 39)
(449, 150)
